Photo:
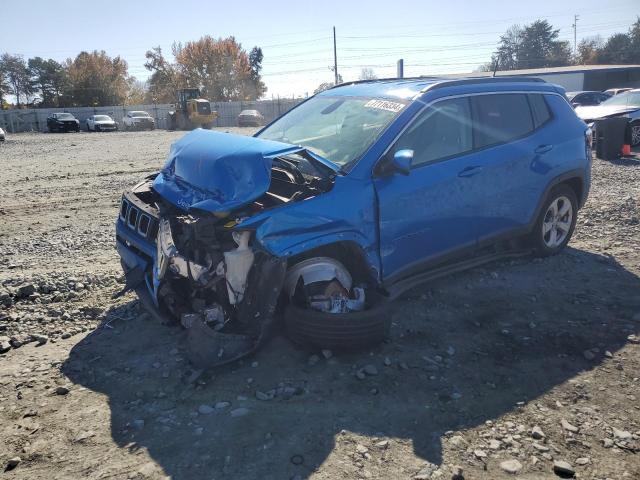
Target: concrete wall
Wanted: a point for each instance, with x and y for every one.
(571, 82)
(35, 120)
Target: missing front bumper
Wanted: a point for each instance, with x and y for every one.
(207, 348)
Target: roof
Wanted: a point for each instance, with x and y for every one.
(399, 88)
(409, 88)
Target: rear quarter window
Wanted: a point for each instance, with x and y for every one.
(500, 118)
(539, 109)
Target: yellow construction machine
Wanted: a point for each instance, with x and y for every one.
(191, 111)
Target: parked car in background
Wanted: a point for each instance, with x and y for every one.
(250, 118)
(352, 197)
(62, 122)
(138, 120)
(579, 99)
(2, 135)
(101, 123)
(616, 91)
(625, 104)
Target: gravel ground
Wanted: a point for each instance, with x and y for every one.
(526, 368)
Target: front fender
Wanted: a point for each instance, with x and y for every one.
(344, 214)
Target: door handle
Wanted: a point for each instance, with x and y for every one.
(470, 171)
(543, 148)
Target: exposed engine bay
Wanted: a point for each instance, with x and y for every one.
(215, 280)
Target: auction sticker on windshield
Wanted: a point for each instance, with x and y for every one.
(385, 105)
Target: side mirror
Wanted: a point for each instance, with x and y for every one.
(402, 160)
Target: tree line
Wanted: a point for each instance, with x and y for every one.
(537, 45)
(221, 68)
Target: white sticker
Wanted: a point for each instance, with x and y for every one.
(385, 105)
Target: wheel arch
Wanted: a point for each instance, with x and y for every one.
(577, 185)
(575, 179)
(347, 252)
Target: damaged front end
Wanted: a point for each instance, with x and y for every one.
(183, 252)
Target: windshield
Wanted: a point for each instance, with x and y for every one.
(626, 98)
(339, 129)
(65, 116)
(102, 118)
(139, 114)
(204, 108)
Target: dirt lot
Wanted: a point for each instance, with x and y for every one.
(510, 367)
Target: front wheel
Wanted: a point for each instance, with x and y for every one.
(556, 221)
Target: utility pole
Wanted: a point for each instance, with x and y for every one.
(400, 68)
(575, 36)
(335, 57)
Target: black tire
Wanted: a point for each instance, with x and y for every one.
(338, 331)
(540, 240)
(635, 131)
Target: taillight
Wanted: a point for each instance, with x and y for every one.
(588, 143)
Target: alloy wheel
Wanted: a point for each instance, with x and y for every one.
(557, 222)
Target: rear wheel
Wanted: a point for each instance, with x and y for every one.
(556, 222)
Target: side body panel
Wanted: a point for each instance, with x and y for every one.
(517, 173)
(431, 212)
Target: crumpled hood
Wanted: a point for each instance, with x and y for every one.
(603, 111)
(218, 172)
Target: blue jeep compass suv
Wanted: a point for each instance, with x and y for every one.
(350, 198)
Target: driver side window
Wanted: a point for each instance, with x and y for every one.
(441, 131)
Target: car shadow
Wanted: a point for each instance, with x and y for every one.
(464, 350)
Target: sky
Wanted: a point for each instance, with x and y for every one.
(433, 37)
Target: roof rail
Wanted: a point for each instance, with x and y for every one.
(468, 80)
(448, 82)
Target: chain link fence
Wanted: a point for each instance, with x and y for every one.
(35, 120)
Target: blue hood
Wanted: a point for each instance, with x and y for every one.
(218, 172)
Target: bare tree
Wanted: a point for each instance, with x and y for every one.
(367, 74)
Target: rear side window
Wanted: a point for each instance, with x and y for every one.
(539, 109)
(441, 131)
(501, 117)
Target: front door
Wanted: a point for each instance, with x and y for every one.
(432, 212)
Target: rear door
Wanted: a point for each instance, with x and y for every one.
(510, 131)
(431, 212)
